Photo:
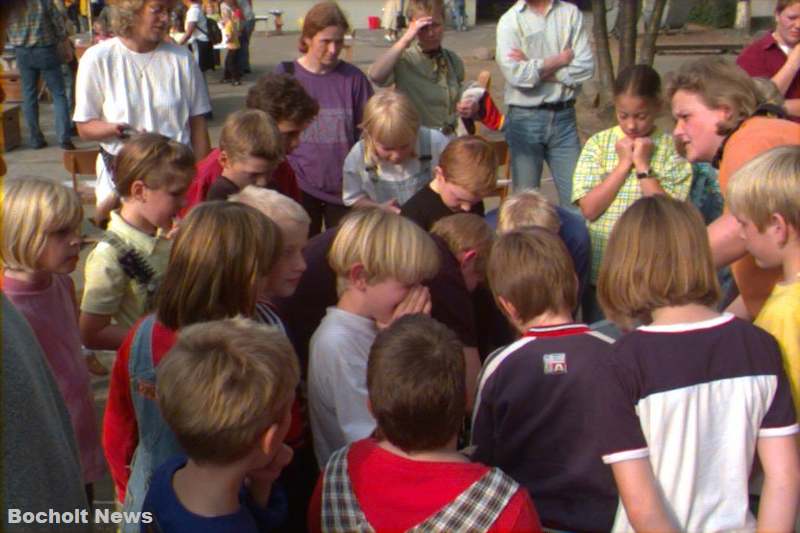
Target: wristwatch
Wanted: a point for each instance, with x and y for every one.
(646, 174)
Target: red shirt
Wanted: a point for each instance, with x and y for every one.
(209, 169)
(396, 493)
(120, 431)
(764, 58)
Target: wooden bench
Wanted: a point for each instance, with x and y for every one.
(699, 48)
(10, 131)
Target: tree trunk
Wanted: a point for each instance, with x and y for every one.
(628, 17)
(648, 53)
(605, 68)
(743, 16)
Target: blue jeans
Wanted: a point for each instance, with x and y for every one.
(244, 41)
(31, 63)
(538, 135)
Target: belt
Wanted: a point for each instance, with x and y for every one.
(550, 106)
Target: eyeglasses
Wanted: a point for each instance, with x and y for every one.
(159, 10)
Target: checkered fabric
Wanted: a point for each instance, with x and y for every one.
(599, 157)
(474, 510)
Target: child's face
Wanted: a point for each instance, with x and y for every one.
(635, 115)
(430, 37)
(394, 154)
(762, 245)
(61, 249)
(383, 297)
(696, 125)
(287, 271)
(325, 46)
(456, 197)
(787, 24)
(160, 206)
(248, 170)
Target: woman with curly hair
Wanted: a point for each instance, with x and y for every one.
(139, 82)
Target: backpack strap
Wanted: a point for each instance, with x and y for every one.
(340, 508)
(475, 509)
(288, 67)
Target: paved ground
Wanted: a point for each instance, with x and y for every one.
(266, 53)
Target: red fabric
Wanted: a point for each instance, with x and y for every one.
(120, 432)
(764, 58)
(396, 493)
(209, 169)
(493, 118)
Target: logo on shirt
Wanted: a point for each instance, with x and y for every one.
(555, 363)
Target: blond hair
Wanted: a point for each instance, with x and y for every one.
(527, 208)
(658, 255)
(278, 207)
(768, 184)
(466, 231)
(389, 119)
(33, 208)
(532, 269)
(425, 8)
(387, 245)
(124, 15)
(251, 133)
(471, 163)
(720, 84)
(223, 384)
(155, 160)
(222, 251)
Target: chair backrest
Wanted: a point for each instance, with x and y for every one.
(503, 166)
(78, 162)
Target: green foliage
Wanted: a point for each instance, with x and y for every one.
(714, 13)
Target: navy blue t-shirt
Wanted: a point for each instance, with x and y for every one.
(170, 516)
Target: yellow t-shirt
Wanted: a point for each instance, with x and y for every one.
(108, 290)
(780, 316)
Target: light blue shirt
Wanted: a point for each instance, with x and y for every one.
(539, 37)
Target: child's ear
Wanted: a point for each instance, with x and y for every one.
(273, 436)
(510, 311)
(137, 190)
(224, 159)
(780, 230)
(467, 257)
(357, 277)
(438, 175)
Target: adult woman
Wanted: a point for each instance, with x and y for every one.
(341, 90)
(137, 81)
(714, 104)
(777, 55)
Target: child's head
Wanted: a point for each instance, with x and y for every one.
(466, 173)
(469, 237)
(657, 256)
(787, 14)
(250, 148)
(531, 274)
(293, 222)
(764, 196)
(41, 221)
(226, 388)
(380, 256)
(152, 173)
(430, 37)
(283, 98)
(219, 262)
(390, 126)
(525, 209)
(637, 100)
(416, 383)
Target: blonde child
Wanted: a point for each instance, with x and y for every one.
(465, 175)
(225, 391)
(222, 255)
(395, 157)
(251, 147)
(231, 19)
(380, 259)
(122, 273)
(764, 195)
(690, 396)
(619, 165)
(41, 241)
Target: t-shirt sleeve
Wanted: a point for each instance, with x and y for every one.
(350, 392)
(451, 303)
(88, 89)
(362, 92)
(752, 61)
(483, 429)
(519, 516)
(675, 172)
(193, 14)
(780, 419)
(105, 282)
(200, 103)
(439, 142)
(615, 411)
(352, 186)
(589, 169)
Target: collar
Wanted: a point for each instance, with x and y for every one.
(721, 151)
(561, 330)
(135, 237)
(522, 5)
(768, 41)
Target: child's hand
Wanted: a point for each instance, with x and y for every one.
(418, 300)
(624, 148)
(642, 152)
(260, 481)
(413, 29)
(391, 205)
(467, 108)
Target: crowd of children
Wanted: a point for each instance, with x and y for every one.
(419, 364)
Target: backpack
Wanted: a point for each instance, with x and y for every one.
(214, 34)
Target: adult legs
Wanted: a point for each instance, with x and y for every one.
(29, 76)
(563, 150)
(244, 54)
(50, 66)
(525, 131)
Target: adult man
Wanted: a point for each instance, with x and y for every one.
(544, 54)
(39, 38)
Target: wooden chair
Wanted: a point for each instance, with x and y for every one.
(81, 162)
(499, 144)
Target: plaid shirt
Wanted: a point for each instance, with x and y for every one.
(39, 24)
(599, 158)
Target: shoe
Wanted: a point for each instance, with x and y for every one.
(67, 145)
(38, 145)
(236, 83)
(96, 368)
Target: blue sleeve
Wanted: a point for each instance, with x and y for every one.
(276, 511)
(575, 235)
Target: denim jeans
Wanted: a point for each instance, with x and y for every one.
(31, 63)
(538, 135)
(244, 41)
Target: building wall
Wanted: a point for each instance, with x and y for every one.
(357, 11)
